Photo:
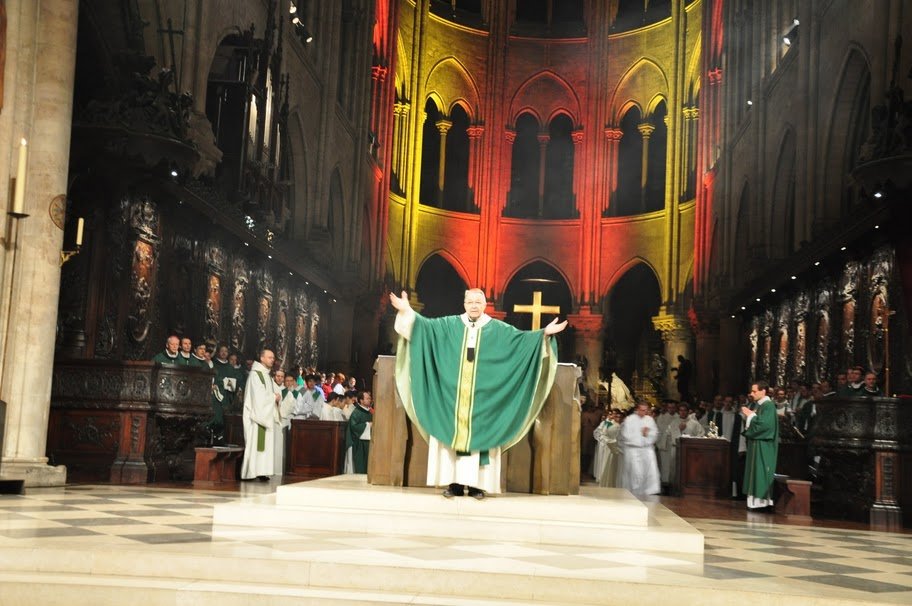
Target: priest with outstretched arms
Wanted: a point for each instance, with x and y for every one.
(473, 386)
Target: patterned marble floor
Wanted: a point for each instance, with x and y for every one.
(755, 555)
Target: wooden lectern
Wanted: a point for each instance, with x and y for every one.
(546, 461)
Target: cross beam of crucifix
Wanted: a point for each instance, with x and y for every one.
(536, 309)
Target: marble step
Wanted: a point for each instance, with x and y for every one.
(605, 517)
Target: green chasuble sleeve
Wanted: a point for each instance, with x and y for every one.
(762, 451)
(474, 405)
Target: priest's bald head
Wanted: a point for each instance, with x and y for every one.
(474, 303)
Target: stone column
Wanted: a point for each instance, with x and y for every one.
(400, 134)
(588, 342)
(40, 64)
(646, 129)
(705, 326)
(678, 340)
(543, 140)
(474, 133)
(613, 134)
(443, 127)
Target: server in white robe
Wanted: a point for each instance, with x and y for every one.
(261, 398)
(640, 472)
(613, 457)
(685, 424)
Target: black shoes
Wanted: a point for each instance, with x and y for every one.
(458, 490)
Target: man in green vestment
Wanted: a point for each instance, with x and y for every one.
(473, 386)
(169, 356)
(761, 429)
(357, 436)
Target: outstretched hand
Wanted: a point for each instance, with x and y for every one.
(555, 327)
(400, 303)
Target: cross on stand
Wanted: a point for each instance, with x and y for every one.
(536, 309)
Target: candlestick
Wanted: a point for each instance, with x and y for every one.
(79, 227)
(19, 193)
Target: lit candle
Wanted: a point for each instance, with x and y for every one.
(19, 194)
(79, 227)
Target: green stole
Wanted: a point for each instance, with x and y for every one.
(474, 405)
(261, 431)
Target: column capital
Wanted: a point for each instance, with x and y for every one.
(613, 133)
(714, 75)
(691, 113)
(586, 324)
(577, 136)
(475, 132)
(510, 135)
(543, 138)
(443, 126)
(646, 129)
(401, 108)
(672, 327)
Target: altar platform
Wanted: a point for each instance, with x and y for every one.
(100, 545)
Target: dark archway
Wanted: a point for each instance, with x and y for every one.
(524, 170)
(456, 175)
(559, 200)
(539, 276)
(630, 338)
(654, 193)
(627, 200)
(439, 288)
(430, 156)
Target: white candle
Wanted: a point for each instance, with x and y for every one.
(19, 194)
(79, 227)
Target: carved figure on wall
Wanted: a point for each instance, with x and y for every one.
(301, 325)
(767, 340)
(281, 340)
(214, 308)
(264, 312)
(238, 304)
(848, 289)
(141, 279)
(656, 373)
(881, 270)
(754, 347)
(314, 334)
(143, 216)
(823, 345)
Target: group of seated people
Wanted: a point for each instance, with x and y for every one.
(674, 420)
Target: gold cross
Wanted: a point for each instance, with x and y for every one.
(536, 309)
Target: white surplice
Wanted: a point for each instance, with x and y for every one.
(640, 471)
(259, 411)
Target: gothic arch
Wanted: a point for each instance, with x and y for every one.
(654, 103)
(464, 104)
(693, 71)
(626, 267)
(549, 93)
(521, 265)
(301, 193)
(450, 80)
(643, 78)
(436, 99)
(781, 215)
(450, 258)
(403, 66)
(849, 113)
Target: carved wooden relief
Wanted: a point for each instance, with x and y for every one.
(238, 304)
(213, 308)
(767, 340)
(302, 324)
(824, 298)
(848, 289)
(264, 308)
(754, 347)
(314, 346)
(782, 325)
(281, 334)
(881, 270)
(799, 353)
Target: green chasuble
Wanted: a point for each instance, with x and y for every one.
(762, 450)
(474, 402)
(163, 358)
(357, 423)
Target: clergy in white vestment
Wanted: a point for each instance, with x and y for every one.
(685, 424)
(613, 457)
(663, 446)
(283, 414)
(640, 472)
(261, 398)
(601, 446)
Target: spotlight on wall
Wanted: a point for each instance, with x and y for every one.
(173, 172)
(843, 248)
(816, 263)
(792, 35)
(878, 194)
(794, 277)
(292, 8)
(743, 308)
(749, 102)
(772, 290)
(758, 299)
(795, 21)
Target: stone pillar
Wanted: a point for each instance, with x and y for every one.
(705, 326)
(731, 376)
(588, 342)
(678, 340)
(400, 134)
(646, 129)
(40, 66)
(474, 133)
(613, 135)
(543, 140)
(443, 127)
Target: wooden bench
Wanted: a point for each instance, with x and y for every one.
(793, 497)
(217, 464)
